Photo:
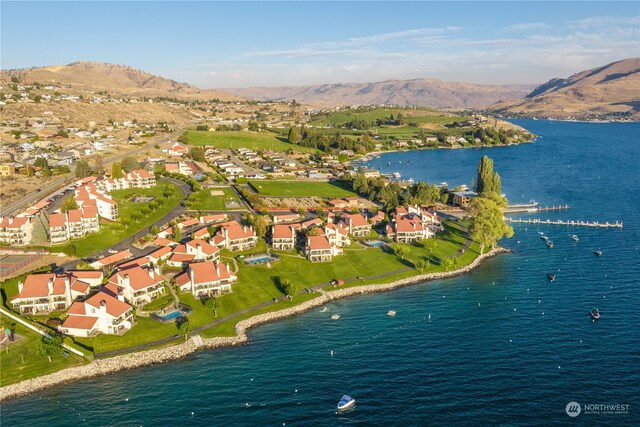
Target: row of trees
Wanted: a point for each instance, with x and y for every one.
(329, 142)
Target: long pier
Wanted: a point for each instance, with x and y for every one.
(617, 224)
(531, 208)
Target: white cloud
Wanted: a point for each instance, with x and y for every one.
(604, 21)
(526, 26)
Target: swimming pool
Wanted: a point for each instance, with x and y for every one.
(375, 243)
(260, 259)
(171, 316)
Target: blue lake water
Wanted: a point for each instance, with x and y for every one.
(500, 346)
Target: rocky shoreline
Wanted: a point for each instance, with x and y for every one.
(100, 367)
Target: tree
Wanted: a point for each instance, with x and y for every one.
(488, 181)
(99, 165)
(42, 163)
(49, 346)
(68, 204)
(430, 244)
(154, 230)
(421, 264)
(130, 164)
(447, 264)
(400, 250)
(177, 234)
(301, 211)
(213, 304)
(259, 224)
(289, 288)
(487, 222)
(186, 328)
(294, 135)
(197, 154)
(28, 170)
(83, 169)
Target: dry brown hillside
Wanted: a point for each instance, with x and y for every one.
(417, 92)
(114, 79)
(607, 91)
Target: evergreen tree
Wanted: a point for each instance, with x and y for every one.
(68, 204)
(294, 135)
(130, 164)
(116, 170)
(488, 180)
(82, 169)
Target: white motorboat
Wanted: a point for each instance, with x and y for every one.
(346, 402)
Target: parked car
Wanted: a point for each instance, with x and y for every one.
(113, 251)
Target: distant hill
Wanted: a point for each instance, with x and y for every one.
(610, 90)
(115, 79)
(417, 92)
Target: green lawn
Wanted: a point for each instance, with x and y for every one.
(411, 116)
(204, 200)
(113, 232)
(300, 189)
(238, 139)
(162, 302)
(11, 361)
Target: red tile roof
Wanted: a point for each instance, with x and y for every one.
(318, 242)
(114, 306)
(80, 322)
(57, 220)
(281, 231)
(112, 259)
(138, 278)
(205, 272)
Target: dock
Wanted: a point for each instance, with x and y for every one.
(532, 208)
(617, 224)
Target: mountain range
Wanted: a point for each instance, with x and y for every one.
(417, 92)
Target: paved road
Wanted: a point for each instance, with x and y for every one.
(126, 243)
(54, 187)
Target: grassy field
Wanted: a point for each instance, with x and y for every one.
(20, 361)
(112, 233)
(251, 140)
(300, 189)
(422, 116)
(203, 200)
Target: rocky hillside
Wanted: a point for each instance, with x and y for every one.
(114, 79)
(609, 91)
(418, 92)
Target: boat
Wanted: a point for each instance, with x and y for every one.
(335, 317)
(595, 314)
(391, 313)
(574, 238)
(598, 252)
(346, 402)
(551, 277)
(544, 237)
(388, 163)
(549, 244)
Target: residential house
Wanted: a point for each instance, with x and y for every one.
(235, 237)
(283, 237)
(407, 231)
(206, 279)
(139, 286)
(43, 293)
(111, 259)
(357, 224)
(319, 249)
(338, 234)
(277, 219)
(15, 231)
(103, 312)
(463, 198)
(178, 150)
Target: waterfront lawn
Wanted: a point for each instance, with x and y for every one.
(238, 139)
(113, 232)
(300, 189)
(203, 200)
(11, 361)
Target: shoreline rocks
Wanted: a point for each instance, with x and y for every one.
(99, 367)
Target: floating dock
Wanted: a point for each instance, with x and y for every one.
(531, 208)
(617, 224)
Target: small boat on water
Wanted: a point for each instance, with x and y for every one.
(391, 313)
(551, 277)
(335, 317)
(544, 238)
(388, 163)
(575, 238)
(595, 314)
(346, 402)
(549, 244)
(598, 252)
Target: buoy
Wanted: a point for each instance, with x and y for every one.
(510, 341)
(127, 399)
(514, 309)
(192, 413)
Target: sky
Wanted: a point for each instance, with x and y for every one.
(268, 43)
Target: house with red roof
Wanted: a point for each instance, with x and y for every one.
(357, 224)
(205, 279)
(178, 150)
(406, 231)
(89, 195)
(213, 219)
(235, 237)
(73, 224)
(104, 312)
(377, 218)
(319, 249)
(160, 254)
(112, 259)
(278, 219)
(15, 231)
(191, 222)
(203, 234)
(283, 237)
(139, 285)
(161, 241)
(43, 293)
(338, 234)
